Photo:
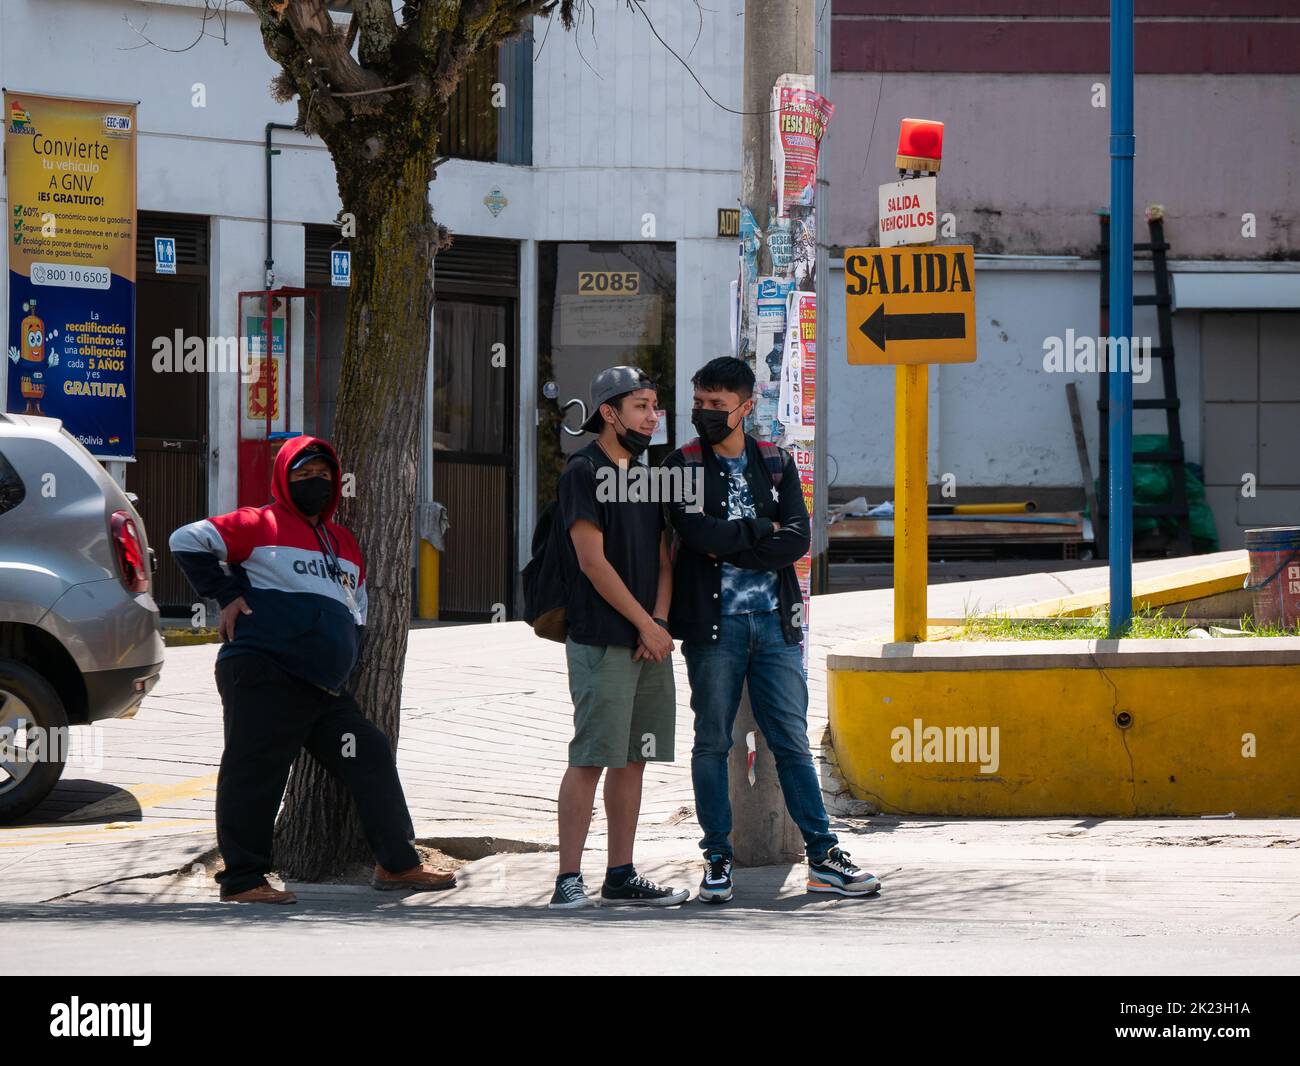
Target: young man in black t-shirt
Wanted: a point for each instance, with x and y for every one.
(618, 648)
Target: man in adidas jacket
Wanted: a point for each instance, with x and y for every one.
(291, 584)
(738, 611)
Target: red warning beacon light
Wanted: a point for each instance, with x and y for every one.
(920, 145)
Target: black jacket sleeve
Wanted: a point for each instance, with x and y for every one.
(788, 544)
(199, 551)
(708, 535)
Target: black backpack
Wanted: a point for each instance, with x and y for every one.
(546, 577)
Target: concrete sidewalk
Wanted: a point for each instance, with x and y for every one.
(486, 720)
(964, 898)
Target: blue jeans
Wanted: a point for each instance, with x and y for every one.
(752, 647)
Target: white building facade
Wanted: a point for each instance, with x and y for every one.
(618, 165)
(1023, 91)
(623, 161)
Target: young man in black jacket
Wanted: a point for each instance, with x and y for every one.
(738, 611)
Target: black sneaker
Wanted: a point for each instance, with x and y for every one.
(837, 873)
(570, 895)
(716, 885)
(640, 891)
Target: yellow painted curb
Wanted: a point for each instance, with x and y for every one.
(94, 833)
(918, 738)
(1193, 584)
(143, 796)
(186, 637)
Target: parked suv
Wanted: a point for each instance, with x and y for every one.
(79, 637)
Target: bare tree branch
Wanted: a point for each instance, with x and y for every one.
(381, 89)
(212, 10)
(315, 56)
(444, 52)
(308, 29)
(378, 30)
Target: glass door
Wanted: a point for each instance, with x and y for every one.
(600, 304)
(473, 448)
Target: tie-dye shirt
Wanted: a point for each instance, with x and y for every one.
(744, 591)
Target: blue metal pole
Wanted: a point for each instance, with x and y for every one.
(1122, 144)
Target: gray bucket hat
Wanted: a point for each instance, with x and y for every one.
(614, 381)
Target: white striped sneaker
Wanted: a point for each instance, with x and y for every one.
(570, 894)
(641, 892)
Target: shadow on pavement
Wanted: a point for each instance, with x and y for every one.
(363, 912)
(106, 803)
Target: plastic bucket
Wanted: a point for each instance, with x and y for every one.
(1275, 574)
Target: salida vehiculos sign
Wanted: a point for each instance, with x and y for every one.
(905, 211)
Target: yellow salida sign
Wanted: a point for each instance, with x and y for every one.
(910, 304)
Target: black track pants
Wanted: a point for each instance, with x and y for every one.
(269, 717)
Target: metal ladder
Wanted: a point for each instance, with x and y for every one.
(1174, 455)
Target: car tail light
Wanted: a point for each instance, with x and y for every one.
(130, 553)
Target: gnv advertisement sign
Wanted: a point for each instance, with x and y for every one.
(71, 346)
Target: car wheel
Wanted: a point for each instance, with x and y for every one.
(33, 739)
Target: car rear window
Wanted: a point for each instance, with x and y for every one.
(12, 489)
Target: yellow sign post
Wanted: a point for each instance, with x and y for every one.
(911, 552)
(910, 306)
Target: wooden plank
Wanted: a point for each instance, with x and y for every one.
(1081, 449)
(943, 526)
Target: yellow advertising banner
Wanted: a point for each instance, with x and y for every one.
(910, 304)
(72, 224)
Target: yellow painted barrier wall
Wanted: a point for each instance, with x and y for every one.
(1200, 740)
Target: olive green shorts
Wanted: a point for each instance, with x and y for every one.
(623, 711)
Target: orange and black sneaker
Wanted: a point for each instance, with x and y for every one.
(262, 893)
(838, 874)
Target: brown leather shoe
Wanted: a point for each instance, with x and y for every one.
(422, 878)
(261, 894)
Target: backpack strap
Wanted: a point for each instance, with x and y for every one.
(774, 457)
(576, 456)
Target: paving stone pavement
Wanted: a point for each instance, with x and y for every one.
(485, 724)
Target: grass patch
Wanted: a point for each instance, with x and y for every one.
(1269, 630)
(1147, 625)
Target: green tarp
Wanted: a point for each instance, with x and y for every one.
(1153, 483)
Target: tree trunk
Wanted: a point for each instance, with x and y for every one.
(778, 40)
(381, 390)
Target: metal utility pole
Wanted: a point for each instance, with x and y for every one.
(1122, 145)
(779, 39)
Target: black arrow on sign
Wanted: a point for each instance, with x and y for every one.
(935, 326)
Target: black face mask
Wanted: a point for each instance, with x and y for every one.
(633, 440)
(311, 495)
(712, 425)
